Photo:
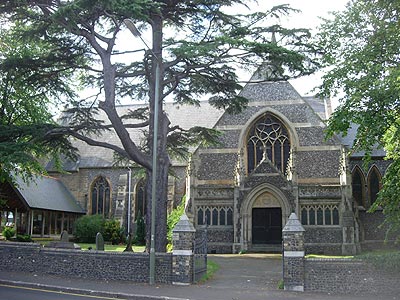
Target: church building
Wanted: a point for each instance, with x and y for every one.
(273, 159)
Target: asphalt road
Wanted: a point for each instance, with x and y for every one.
(9, 292)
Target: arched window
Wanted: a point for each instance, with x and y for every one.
(100, 197)
(268, 138)
(140, 198)
(358, 187)
(374, 184)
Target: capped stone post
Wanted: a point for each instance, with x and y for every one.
(293, 254)
(183, 236)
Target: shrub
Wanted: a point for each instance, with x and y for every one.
(87, 227)
(113, 232)
(140, 236)
(24, 238)
(8, 232)
(172, 220)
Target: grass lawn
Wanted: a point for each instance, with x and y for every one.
(212, 267)
(119, 248)
(86, 246)
(388, 260)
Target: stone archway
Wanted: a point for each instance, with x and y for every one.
(264, 213)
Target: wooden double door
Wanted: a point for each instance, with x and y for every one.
(267, 225)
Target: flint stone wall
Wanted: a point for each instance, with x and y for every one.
(127, 266)
(348, 276)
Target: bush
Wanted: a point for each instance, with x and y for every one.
(172, 220)
(140, 236)
(87, 227)
(8, 232)
(113, 232)
(26, 238)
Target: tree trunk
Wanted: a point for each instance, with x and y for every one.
(163, 162)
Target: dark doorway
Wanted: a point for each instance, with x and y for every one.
(267, 225)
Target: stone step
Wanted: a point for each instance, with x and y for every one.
(266, 248)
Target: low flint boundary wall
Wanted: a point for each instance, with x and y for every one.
(128, 266)
(346, 276)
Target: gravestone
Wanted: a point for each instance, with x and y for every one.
(63, 243)
(129, 244)
(99, 242)
(64, 237)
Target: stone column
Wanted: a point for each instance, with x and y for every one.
(183, 236)
(293, 254)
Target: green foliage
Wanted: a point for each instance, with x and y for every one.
(113, 232)
(173, 219)
(212, 267)
(26, 238)
(281, 284)
(87, 227)
(361, 50)
(8, 232)
(140, 235)
(25, 101)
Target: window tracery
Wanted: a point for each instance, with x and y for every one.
(268, 139)
(100, 197)
(320, 215)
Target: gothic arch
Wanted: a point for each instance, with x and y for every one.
(358, 186)
(100, 197)
(140, 198)
(267, 134)
(264, 195)
(374, 183)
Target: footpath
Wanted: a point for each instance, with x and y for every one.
(240, 277)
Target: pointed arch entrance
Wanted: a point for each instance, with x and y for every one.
(265, 212)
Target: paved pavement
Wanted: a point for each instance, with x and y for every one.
(240, 277)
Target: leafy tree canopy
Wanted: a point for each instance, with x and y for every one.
(25, 119)
(196, 46)
(362, 50)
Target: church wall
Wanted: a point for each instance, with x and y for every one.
(77, 184)
(228, 139)
(318, 164)
(323, 239)
(216, 166)
(313, 136)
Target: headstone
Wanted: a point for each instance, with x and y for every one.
(129, 244)
(64, 237)
(63, 243)
(99, 242)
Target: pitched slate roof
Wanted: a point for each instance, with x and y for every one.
(348, 141)
(186, 116)
(47, 193)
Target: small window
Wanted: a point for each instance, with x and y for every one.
(304, 214)
(320, 216)
(208, 217)
(311, 216)
(328, 217)
(335, 216)
(200, 220)
(229, 217)
(222, 217)
(215, 217)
